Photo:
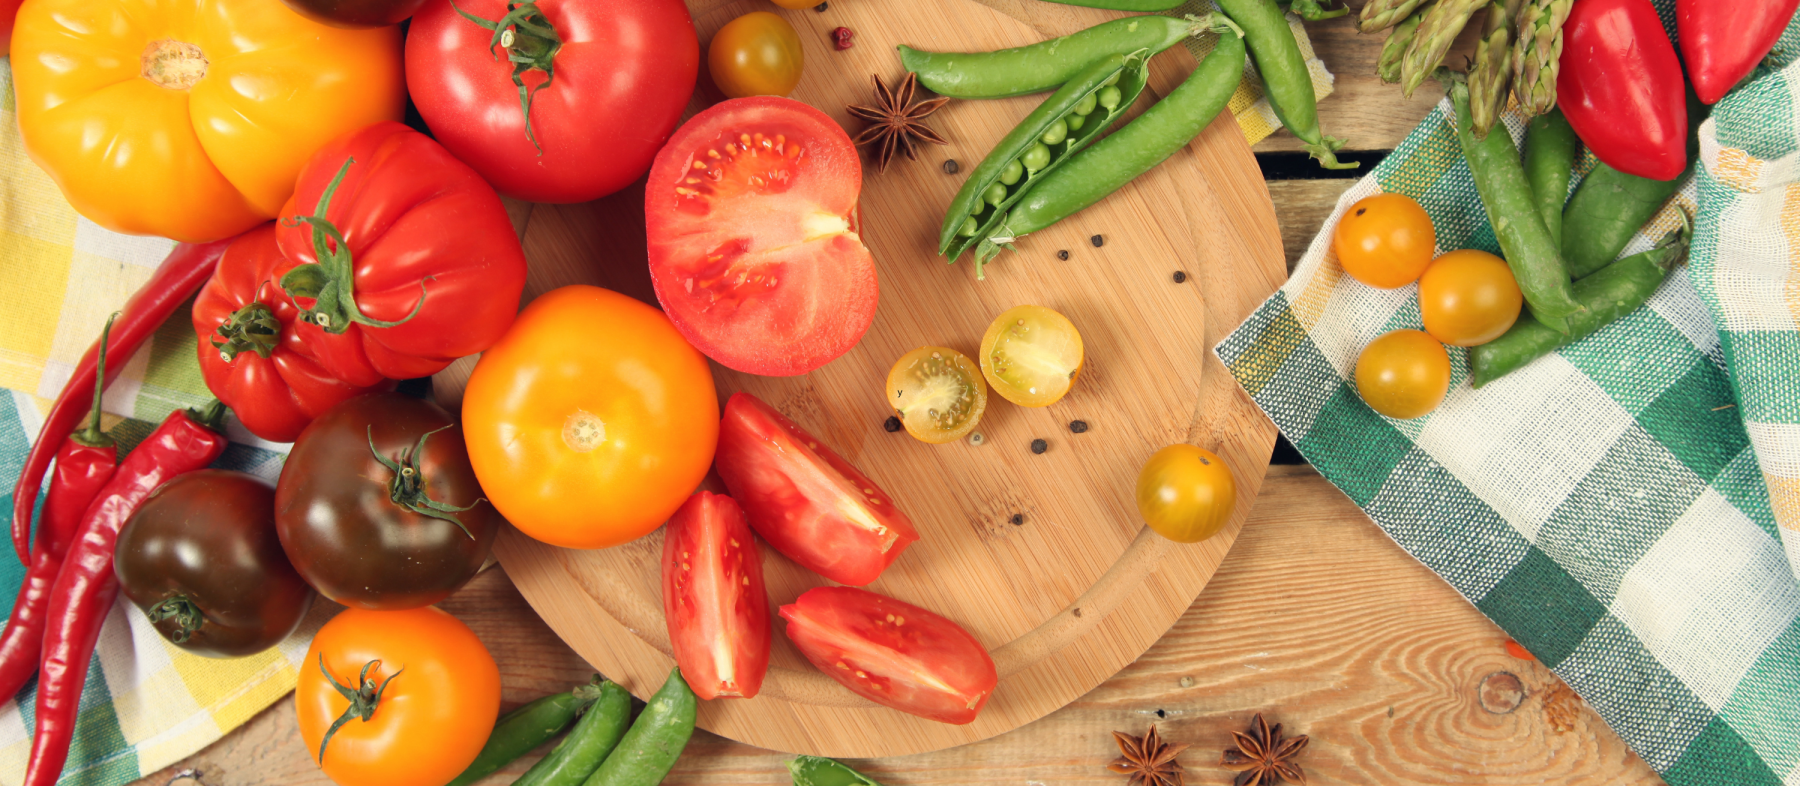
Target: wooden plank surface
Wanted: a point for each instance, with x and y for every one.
(1315, 618)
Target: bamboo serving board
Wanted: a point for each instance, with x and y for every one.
(1042, 557)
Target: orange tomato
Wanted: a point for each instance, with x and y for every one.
(1468, 298)
(190, 120)
(1404, 374)
(592, 420)
(757, 54)
(1186, 493)
(1385, 241)
(439, 692)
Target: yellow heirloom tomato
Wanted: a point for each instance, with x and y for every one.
(190, 120)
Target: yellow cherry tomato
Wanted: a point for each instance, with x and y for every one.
(757, 54)
(1469, 298)
(937, 393)
(1031, 355)
(1385, 241)
(191, 120)
(1403, 374)
(1186, 493)
(592, 420)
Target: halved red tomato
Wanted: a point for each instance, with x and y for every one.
(713, 598)
(804, 499)
(893, 653)
(751, 215)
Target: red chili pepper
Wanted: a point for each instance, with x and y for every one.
(86, 586)
(1723, 40)
(1620, 86)
(83, 465)
(175, 280)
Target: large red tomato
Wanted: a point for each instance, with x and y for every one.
(429, 268)
(249, 353)
(751, 216)
(605, 88)
(893, 653)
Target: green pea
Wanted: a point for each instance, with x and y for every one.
(1056, 133)
(1109, 97)
(968, 227)
(1085, 106)
(1036, 158)
(994, 195)
(1075, 122)
(1012, 172)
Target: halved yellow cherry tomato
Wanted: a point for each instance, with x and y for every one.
(1186, 493)
(1385, 241)
(1403, 374)
(1031, 355)
(1469, 298)
(937, 392)
(757, 54)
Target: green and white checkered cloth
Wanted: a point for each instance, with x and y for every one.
(1604, 505)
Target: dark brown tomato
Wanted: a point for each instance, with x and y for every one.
(397, 527)
(201, 558)
(356, 13)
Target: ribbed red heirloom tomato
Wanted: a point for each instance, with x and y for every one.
(751, 217)
(606, 85)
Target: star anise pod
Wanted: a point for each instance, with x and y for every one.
(1148, 760)
(896, 124)
(1262, 757)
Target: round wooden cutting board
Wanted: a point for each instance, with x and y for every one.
(1042, 557)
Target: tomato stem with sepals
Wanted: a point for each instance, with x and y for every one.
(407, 489)
(531, 43)
(253, 327)
(363, 699)
(211, 414)
(188, 617)
(91, 435)
(332, 283)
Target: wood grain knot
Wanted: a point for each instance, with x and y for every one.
(1501, 692)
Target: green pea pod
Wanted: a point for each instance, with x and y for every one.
(1286, 80)
(525, 728)
(818, 771)
(1612, 292)
(594, 736)
(1550, 147)
(649, 750)
(1127, 72)
(1609, 207)
(1090, 175)
(1535, 260)
(1045, 65)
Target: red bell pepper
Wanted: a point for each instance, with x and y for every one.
(1620, 87)
(249, 353)
(404, 250)
(1723, 40)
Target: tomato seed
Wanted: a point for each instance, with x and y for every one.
(1039, 446)
(892, 424)
(840, 38)
(1181, 276)
(1078, 426)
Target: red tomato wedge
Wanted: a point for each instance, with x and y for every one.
(751, 216)
(713, 598)
(805, 500)
(893, 653)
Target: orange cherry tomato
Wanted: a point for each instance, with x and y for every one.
(1385, 241)
(1186, 493)
(1403, 374)
(592, 420)
(757, 54)
(434, 688)
(1469, 298)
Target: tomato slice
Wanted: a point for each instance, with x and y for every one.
(1031, 355)
(938, 393)
(893, 653)
(805, 500)
(713, 598)
(750, 212)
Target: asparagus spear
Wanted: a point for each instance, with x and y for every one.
(1399, 38)
(1383, 14)
(1491, 72)
(1432, 40)
(1534, 56)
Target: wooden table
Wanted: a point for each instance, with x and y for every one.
(1316, 619)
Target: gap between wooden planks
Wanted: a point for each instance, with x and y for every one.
(1315, 617)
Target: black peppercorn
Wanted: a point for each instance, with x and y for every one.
(1063, 255)
(821, 7)
(1181, 276)
(892, 424)
(1078, 426)
(1039, 446)
(1097, 240)
(951, 167)
(1018, 519)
